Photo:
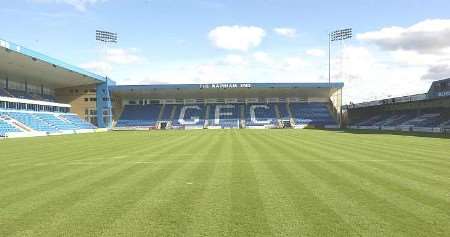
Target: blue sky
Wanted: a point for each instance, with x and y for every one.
(201, 41)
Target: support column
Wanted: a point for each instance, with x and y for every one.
(103, 105)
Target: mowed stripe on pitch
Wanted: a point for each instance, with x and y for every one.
(225, 182)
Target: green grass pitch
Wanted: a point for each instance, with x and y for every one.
(225, 183)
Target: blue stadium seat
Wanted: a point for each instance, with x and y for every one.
(395, 119)
(57, 122)
(317, 114)
(24, 95)
(43, 122)
(167, 112)
(5, 93)
(33, 122)
(425, 120)
(6, 128)
(139, 115)
(264, 114)
(77, 121)
(20, 94)
(229, 115)
(283, 109)
(429, 119)
(194, 115)
(372, 120)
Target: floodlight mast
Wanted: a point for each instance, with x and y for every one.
(337, 35)
(105, 38)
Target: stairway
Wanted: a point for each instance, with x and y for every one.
(163, 107)
(172, 114)
(207, 116)
(16, 124)
(277, 112)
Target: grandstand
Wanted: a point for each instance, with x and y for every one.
(428, 112)
(40, 95)
(231, 105)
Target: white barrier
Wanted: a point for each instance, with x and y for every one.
(25, 134)
(369, 127)
(44, 134)
(85, 131)
(256, 127)
(401, 128)
(405, 128)
(389, 128)
(193, 127)
(427, 130)
(332, 126)
(214, 127)
(130, 129)
(300, 126)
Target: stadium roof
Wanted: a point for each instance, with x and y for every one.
(228, 90)
(18, 63)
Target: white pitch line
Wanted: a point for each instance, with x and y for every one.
(236, 161)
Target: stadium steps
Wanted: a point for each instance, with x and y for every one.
(16, 124)
(422, 120)
(207, 108)
(207, 112)
(64, 119)
(395, 120)
(370, 121)
(6, 128)
(242, 116)
(172, 114)
(445, 124)
(36, 97)
(161, 112)
(51, 125)
(5, 93)
(242, 112)
(277, 112)
(333, 110)
(288, 109)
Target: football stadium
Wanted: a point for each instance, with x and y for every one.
(84, 155)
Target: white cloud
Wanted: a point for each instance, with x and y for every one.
(286, 32)
(437, 72)
(114, 57)
(99, 67)
(293, 63)
(236, 37)
(415, 56)
(315, 52)
(80, 5)
(234, 60)
(262, 57)
(426, 37)
(368, 77)
(123, 56)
